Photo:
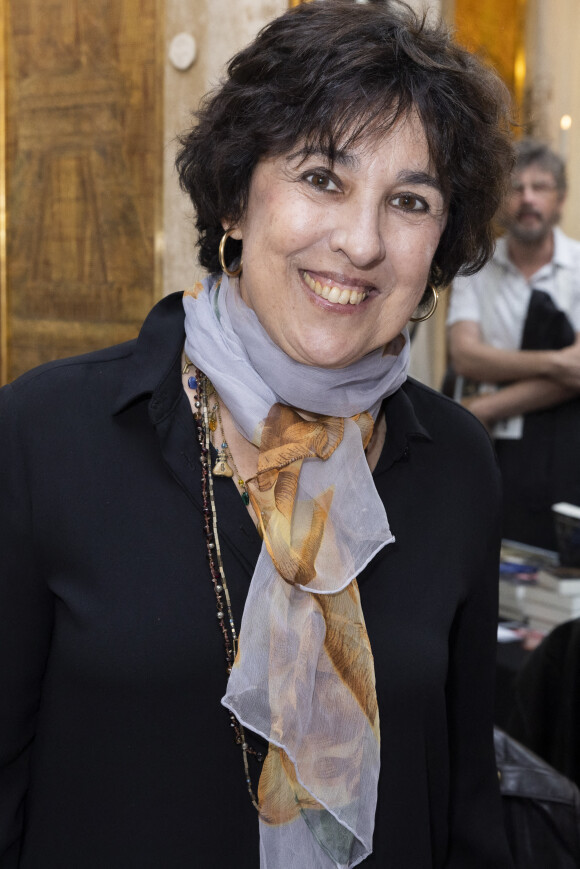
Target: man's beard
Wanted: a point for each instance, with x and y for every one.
(531, 234)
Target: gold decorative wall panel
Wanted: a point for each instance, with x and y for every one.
(83, 174)
(496, 28)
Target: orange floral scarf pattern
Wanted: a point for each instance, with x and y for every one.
(320, 715)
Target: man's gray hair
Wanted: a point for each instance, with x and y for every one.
(530, 151)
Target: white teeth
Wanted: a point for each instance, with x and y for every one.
(334, 294)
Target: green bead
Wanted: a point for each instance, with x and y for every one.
(245, 498)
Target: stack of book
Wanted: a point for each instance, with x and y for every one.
(511, 601)
(554, 598)
(534, 589)
(515, 580)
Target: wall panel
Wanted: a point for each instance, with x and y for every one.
(83, 87)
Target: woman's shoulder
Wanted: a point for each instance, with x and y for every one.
(161, 332)
(440, 413)
(48, 373)
(59, 388)
(462, 442)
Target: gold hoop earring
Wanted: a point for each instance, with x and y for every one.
(222, 260)
(432, 309)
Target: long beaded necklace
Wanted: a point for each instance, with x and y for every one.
(200, 385)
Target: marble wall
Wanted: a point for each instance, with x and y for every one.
(553, 88)
(220, 28)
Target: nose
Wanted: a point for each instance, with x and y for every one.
(358, 233)
(527, 194)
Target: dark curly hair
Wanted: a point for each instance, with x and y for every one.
(331, 72)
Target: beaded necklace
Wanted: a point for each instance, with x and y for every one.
(221, 467)
(200, 385)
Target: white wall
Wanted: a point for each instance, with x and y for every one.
(553, 77)
(428, 347)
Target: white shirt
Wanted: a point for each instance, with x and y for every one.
(497, 297)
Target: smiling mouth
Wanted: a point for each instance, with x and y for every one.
(333, 294)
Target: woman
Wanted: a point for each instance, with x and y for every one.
(353, 157)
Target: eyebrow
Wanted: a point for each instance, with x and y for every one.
(341, 156)
(424, 178)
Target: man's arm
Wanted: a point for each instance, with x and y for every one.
(544, 378)
(473, 358)
(525, 396)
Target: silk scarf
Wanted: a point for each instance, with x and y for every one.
(303, 677)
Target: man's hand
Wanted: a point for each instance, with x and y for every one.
(566, 364)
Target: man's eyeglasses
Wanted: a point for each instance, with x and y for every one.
(542, 188)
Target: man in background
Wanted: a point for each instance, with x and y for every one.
(514, 328)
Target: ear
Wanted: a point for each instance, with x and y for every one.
(233, 229)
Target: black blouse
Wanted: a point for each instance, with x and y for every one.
(115, 752)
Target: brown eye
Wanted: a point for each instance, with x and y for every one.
(321, 181)
(409, 202)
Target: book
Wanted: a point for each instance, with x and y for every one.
(541, 626)
(548, 614)
(564, 580)
(511, 598)
(568, 604)
(525, 554)
(517, 572)
(512, 614)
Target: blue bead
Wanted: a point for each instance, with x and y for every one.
(192, 382)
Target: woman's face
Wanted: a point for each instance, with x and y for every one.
(336, 258)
